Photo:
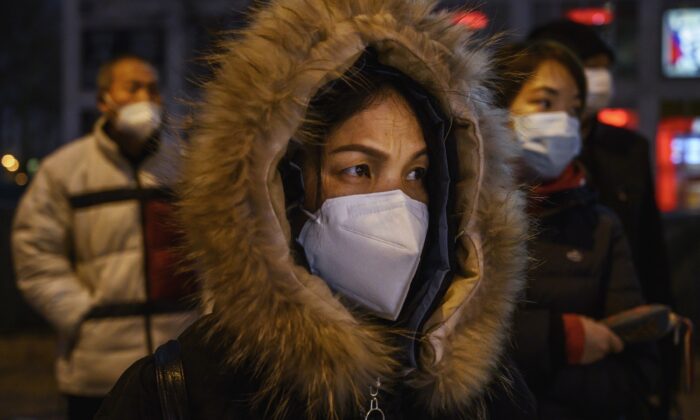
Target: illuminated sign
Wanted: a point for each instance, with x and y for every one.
(680, 43)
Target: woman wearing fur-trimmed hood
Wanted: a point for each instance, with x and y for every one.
(289, 336)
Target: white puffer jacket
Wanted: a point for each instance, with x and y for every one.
(86, 232)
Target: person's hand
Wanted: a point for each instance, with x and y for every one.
(599, 341)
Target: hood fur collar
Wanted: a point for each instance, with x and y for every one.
(284, 321)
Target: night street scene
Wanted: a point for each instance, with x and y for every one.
(350, 209)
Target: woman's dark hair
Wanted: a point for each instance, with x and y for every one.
(366, 82)
(516, 64)
(580, 39)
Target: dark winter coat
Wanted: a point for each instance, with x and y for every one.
(581, 265)
(312, 356)
(618, 163)
(218, 391)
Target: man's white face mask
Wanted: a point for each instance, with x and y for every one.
(367, 247)
(600, 89)
(139, 120)
(549, 141)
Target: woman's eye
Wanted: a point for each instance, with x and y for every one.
(357, 170)
(416, 174)
(542, 104)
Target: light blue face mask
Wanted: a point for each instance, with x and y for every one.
(367, 247)
(549, 141)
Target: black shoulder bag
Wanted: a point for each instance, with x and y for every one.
(170, 381)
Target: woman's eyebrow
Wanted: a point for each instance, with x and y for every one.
(370, 151)
(547, 89)
(423, 151)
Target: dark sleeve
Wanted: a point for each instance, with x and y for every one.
(134, 396)
(539, 342)
(622, 290)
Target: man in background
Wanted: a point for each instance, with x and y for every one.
(93, 243)
(619, 168)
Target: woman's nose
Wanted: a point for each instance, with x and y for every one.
(388, 182)
(415, 190)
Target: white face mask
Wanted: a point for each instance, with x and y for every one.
(139, 120)
(549, 140)
(367, 247)
(600, 89)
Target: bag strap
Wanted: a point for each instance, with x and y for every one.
(170, 381)
(682, 325)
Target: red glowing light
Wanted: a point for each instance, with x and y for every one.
(619, 117)
(666, 177)
(473, 20)
(591, 16)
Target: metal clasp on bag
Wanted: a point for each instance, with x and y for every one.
(374, 401)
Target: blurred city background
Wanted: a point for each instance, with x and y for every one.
(52, 49)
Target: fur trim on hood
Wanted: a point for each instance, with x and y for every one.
(280, 319)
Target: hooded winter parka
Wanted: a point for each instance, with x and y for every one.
(279, 344)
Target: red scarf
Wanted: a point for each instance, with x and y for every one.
(573, 177)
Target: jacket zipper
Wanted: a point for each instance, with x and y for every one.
(374, 409)
(147, 285)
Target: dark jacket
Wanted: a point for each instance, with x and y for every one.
(581, 265)
(313, 356)
(618, 163)
(217, 391)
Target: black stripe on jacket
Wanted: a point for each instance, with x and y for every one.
(119, 194)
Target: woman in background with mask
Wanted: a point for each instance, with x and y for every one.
(348, 204)
(581, 271)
